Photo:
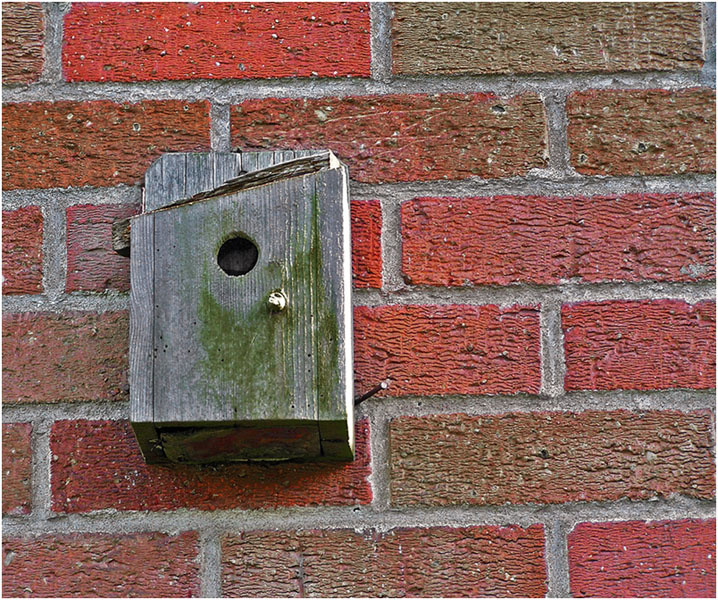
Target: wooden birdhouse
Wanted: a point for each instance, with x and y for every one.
(240, 309)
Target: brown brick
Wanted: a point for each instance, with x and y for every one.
(92, 264)
(547, 457)
(366, 244)
(642, 132)
(16, 468)
(215, 40)
(447, 349)
(548, 240)
(639, 345)
(102, 564)
(68, 357)
(98, 143)
(436, 561)
(99, 466)
(629, 559)
(22, 250)
(23, 39)
(486, 38)
(404, 137)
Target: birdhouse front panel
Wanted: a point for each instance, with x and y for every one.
(244, 351)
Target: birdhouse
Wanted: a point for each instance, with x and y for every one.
(240, 309)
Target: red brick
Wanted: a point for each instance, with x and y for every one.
(224, 40)
(642, 132)
(447, 349)
(673, 559)
(99, 466)
(366, 244)
(23, 40)
(548, 240)
(102, 564)
(549, 457)
(68, 357)
(22, 250)
(16, 468)
(98, 143)
(639, 345)
(404, 137)
(482, 37)
(92, 264)
(436, 561)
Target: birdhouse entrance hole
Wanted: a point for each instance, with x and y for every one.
(237, 256)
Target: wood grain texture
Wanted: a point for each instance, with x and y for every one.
(550, 457)
(548, 240)
(219, 356)
(629, 559)
(642, 132)
(102, 565)
(433, 562)
(484, 38)
(639, 345)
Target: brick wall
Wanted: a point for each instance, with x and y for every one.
(533, 221)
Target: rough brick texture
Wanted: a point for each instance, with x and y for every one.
(16, 468)
(447, 349)
(99, 466)
(144, 42)
(92, 264)
(98, 143)
(642, 132)
(549, 240)
(404, 137)
(23, 38)
(437, 561)
(97, 564)
(673, 559)
(64, 357)
(481, 38)
(550, 457)
(366, 244)
(22, 250)
(639, 345)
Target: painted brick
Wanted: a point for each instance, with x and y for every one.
(484, 38)
(366, 244)
(547, 240)
(97, 143)
(68, 357)
(22, 250)
(660, 559)
(447, 349)
(23, 39)
(404, 137)
(642, 132)
(102, 564)
(92, 264)
(224, 40)
(436, 561)
(16, 468)
(548, 457)
(639, 345)
(99, 466)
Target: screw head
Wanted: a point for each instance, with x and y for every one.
(277, 301)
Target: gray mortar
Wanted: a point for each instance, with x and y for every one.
(381, 63)
(558, 179)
